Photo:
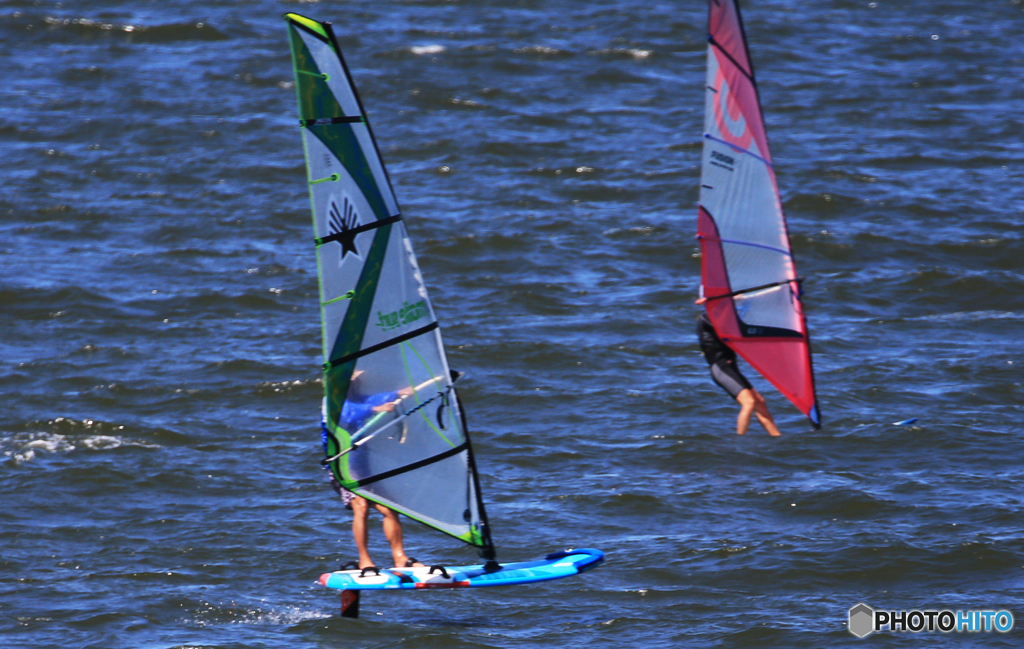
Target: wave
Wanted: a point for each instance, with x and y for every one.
(25, 447)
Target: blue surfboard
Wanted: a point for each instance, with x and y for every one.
(554, 566)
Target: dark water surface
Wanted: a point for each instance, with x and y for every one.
(160, 348)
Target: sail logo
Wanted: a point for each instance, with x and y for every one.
(722, 160)
(342, 221)
(408, 314)
(729, 113)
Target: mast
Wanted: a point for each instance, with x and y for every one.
(487, 549)
(394, 425)
(748, 273)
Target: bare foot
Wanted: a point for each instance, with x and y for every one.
(406, 561)
(775, 434)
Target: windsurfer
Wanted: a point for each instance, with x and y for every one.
(727, 375)
(355, 412)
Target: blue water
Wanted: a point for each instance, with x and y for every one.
(160, 350)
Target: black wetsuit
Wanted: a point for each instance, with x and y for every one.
(721, 359)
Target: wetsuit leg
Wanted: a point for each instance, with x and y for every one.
(728, 377)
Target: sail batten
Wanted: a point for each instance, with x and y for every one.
(384, 345)
(735, 148)
(748, 272)
(393, 424)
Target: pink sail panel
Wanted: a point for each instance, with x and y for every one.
(725, 28)
(737, 109)
(748, 272)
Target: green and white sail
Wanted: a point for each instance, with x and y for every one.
(381, 340)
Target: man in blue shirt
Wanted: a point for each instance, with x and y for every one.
(357, 410)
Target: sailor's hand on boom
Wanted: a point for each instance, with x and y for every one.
(405, 392)
(390, 407)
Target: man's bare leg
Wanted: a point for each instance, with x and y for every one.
(763, 416)
(360, 513)
(747, 403)
(393, 533)
(752, 403)
(765, 419)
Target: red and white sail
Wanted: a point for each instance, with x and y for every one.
(748, 274)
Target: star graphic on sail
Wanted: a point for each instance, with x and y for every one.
(343, 221)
